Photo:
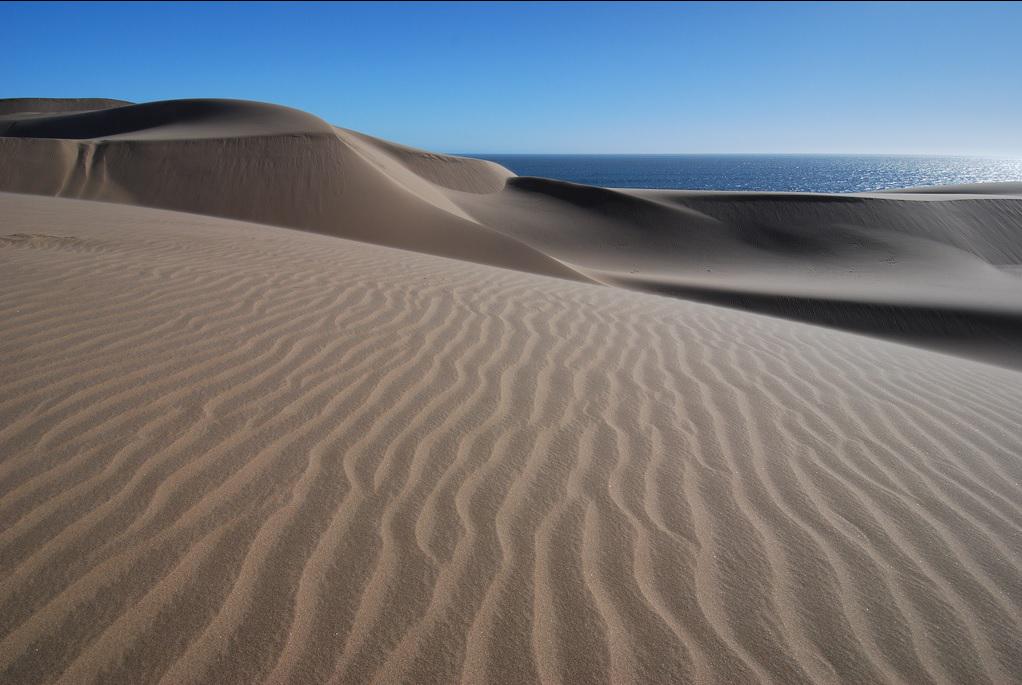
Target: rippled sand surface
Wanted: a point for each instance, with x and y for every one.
(235, 452)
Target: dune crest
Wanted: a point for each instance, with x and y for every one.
(22, 106)
(250, 161)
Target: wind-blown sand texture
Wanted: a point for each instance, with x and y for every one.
(235, 452)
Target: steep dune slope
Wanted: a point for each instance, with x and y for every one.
(234, 453)
(250, 161)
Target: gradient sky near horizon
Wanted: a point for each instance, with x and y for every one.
(926, 78)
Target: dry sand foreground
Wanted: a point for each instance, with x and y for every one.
(235, 452)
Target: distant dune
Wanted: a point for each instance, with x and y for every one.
(22, 107)
(235, 452)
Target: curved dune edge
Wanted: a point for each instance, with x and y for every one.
(239, 453)
(256, 162)
(886, 264)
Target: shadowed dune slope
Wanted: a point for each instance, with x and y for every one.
(235, 453)
(170, 120)
(934, 267)
(1007, 188)
(52, 105)
(911, 267)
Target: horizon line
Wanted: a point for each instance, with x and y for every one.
(735, 154)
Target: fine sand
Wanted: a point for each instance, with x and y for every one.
(926, 266)
(235, 452)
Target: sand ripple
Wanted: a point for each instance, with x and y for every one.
(236, 453)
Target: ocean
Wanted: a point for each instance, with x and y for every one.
(802, 173)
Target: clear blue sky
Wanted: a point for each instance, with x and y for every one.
(572, 77)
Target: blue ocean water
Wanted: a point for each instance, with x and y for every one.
(802, 173)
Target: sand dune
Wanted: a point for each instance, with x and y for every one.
(256, 162)
(927, 266)
(234, 452)
(908, 266)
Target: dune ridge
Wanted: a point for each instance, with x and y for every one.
(250, 161)
(488, 448)
(887, 264)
